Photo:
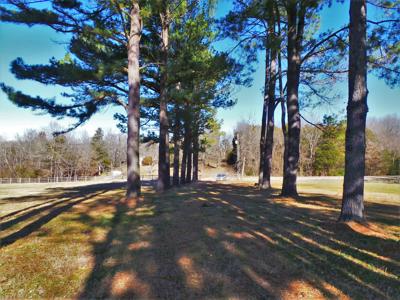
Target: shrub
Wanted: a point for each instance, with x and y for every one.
(147, 161)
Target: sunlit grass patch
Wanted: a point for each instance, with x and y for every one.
(50, 256)
(44, 267)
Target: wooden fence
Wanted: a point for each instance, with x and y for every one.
(150, 177)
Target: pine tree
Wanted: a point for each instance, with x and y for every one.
(100, 69)
(353, 190)
(329, 155)
(100, 157)
(377, 49)
(200, 80)
(311, 62)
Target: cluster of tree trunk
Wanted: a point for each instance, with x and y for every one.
(192, 105)
(295, 23)
(187, 141)
(120, 56)
(353, 189)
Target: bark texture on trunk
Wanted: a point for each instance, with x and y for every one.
(183, 166)
(283, 114)
(163, 181)
(189, 157)
(264, 115)
(353, 188)
(269, 138)
(133, 109)
(184, 155)
(282, 99)
(167, 162)
(296, 18)
(175, 176)
(195, 158)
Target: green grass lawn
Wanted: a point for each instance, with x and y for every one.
(207, 240)
(335, 185)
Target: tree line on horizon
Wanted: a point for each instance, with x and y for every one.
(322, 148)
(156, 60)
(37, 153)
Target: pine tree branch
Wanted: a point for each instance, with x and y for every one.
(381, 5)
(311, 123)
(311, 51)
(384, 21)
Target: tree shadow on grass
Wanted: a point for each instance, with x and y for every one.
(220, 240)
(30, 219)
(16, 212)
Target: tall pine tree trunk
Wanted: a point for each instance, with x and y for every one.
(196, 157)
(269, 140)
(283, 114)
(183, 165)
(184, 154)
(282, 99)
(353, 188)
(264, 114)
(163, 181)
(133, 110)
(295, 34)
(175, 176)
(167, 162)
(269, 137)
(189, 157)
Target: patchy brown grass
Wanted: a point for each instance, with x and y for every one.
(202, 241)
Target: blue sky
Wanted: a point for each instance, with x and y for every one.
(38, 44)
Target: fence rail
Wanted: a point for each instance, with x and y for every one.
(152, 177)
(47, 179)
(70, 179)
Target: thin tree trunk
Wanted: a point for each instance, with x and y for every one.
(269, 139)
(195, 157)
(167, 163)
(295, 33)
(283, 115)
(243, 166)
(238, 154)
(264, 114)
(163, 181)
(353, 188)
(184, 155)
(189, 158)
(175, 177)
(283, 101)
(133, 110)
